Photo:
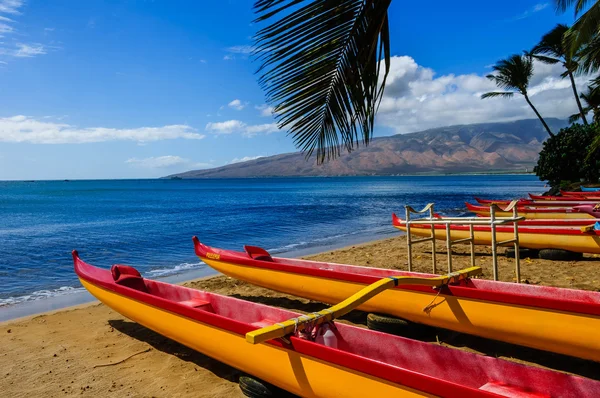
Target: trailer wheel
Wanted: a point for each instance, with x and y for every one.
(255, 388)
(560, 255)
(398, 326)
(523, 253)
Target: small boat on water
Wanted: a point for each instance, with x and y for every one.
(354, 362)
(533, 212)
(590, 189)
(547, 318)
(571, 238)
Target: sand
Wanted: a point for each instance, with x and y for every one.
(90, 350)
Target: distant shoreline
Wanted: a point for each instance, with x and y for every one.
(476, 173)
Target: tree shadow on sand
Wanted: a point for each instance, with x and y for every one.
(171, 347)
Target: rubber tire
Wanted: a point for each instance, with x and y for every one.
(559, 255)
(523, 253)
(399, 327)
(255, 388)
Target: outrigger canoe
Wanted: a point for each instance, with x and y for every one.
(357, 363)
(547, 318)
(580, 194)
(563, 202)
(572, 238)
(531, 212)
(586, 199)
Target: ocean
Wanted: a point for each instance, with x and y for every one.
(149, 223)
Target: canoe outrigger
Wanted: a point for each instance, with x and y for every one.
(578, 239)
(532, 212)
(547, 318)
(357, 363)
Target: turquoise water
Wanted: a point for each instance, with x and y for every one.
(149, 223)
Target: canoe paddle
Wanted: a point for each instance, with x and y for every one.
(282, 329)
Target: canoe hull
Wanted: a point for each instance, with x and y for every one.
(577, 242)
(566, 333)
(533, 213)
(277, 365)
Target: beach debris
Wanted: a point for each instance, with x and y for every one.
(123, 360)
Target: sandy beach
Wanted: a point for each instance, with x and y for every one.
(90, 350)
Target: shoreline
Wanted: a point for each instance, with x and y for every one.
(65, 301)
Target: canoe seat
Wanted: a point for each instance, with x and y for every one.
(128, 276)
(258, 253)
(198, 304)
(506, 390)
(263, 323)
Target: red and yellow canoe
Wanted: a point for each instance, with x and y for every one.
(559, 320)
(364, 363)
(579, 194)
(532, 212)
(570, 238)
(562, 202)
(585, 200)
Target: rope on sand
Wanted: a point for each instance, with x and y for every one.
(122, 360)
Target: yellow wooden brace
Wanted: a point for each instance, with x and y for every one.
(290, 326)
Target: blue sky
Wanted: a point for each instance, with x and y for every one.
(129, 89)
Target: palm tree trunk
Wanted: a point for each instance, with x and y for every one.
(538, 115)
(577, 98)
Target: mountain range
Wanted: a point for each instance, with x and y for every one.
(483, 147)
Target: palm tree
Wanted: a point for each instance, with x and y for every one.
(586, 26)
(592, 104)
(552, 49)
(514, 74)
(321, 69)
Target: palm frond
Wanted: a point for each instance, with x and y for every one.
(513, 73)
(574, 117)
(546, 60)
(564, 5)
(504, 94)
(322, 69)
(551, 47)
(585, 28)
(590, 56)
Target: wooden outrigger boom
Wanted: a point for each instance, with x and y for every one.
(282, 329)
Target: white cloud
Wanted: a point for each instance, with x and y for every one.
(26, 129)
(536, 8)
(265, 110)
(237, 126)
(20, 50)
(228, 58)
(10, 6)
(169, 161)
(256, 129)
(416, 99)
(227, 127)
(245, 159)
(29, 50)
(245, 49)
(237, 104)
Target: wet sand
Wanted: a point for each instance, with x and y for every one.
(90, 350)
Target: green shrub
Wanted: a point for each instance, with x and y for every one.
(564, 157)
